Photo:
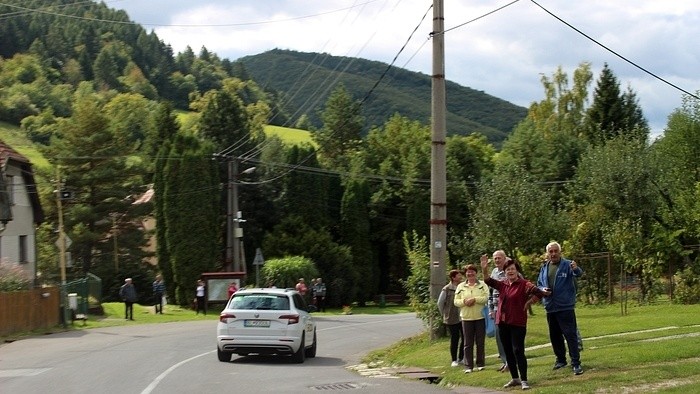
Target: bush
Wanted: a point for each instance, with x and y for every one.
(417, 285)
(13, 277)
(688, 287)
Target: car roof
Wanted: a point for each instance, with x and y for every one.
(267, 290)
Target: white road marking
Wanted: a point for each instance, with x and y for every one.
(165, 373)
(13, 373)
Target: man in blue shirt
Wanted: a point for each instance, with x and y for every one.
(559, 276)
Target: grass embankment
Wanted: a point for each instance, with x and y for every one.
(651, 349)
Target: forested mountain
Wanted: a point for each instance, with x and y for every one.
(89, 41)
(304, 81)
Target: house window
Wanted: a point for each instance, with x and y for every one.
(23, 249)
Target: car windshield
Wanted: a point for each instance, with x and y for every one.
(259, 302)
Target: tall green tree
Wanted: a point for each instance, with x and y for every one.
(94, 167)
(613, 113)
(191, 207)
(341, 134)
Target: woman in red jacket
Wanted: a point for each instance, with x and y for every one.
(515, 296)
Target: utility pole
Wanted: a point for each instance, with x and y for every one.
(231, 209)
(235, 219)
(61, 247)
(438, 176)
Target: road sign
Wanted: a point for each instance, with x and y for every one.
(69, 241)
(259, 260)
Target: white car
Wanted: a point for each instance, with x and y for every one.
(266, 321)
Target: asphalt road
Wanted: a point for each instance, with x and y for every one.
(181, 357)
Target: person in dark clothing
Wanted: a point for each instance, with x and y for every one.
(451, 318)
(158, 293)
(128, 294)
(558, 275)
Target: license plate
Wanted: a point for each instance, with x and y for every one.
(256, 323)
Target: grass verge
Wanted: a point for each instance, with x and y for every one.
(651, 349)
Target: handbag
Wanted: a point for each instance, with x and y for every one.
(488, 321)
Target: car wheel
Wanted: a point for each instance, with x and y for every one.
(311, 352)
(300, 354)
(224, 357)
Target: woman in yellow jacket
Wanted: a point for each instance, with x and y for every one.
(470, 297)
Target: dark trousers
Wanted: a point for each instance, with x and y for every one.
(201, 305)
(456, 342)
(474, 334)
(129, 310)
(321, 303)
(158, 301)
(513, 339)
(562, 326)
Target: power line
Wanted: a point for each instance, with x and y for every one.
(613, 52)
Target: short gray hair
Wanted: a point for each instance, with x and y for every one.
(553, 243)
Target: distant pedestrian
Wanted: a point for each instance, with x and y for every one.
(301, 288)
(320, 294)
(450, 316)
(499, 258)
(158, 293)
(201, 305)
(232, 289)
(128, 294)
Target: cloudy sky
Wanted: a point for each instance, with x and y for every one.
(502, 51)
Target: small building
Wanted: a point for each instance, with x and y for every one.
(20, 210)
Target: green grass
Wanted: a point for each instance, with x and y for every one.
(289, 135)
(15, 138)
(651, 349)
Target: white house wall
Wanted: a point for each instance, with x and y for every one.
(22, 223)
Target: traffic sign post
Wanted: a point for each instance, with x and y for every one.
(257, 262)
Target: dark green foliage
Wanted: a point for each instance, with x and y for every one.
(355, 229)
(613, 113)
(406, 92)
(191, 207)
(294, 237)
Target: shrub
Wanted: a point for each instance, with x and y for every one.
(13, 277)
(417, 285)
(688, 287)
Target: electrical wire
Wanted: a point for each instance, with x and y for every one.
(614, 52)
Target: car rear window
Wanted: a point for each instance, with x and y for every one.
(259, 302)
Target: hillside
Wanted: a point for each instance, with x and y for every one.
(303, 81)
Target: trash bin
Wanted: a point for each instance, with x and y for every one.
(73, 301)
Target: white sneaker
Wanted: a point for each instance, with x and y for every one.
(468, 370)
(455, 363)
(525, 385)
(512, 383)
(479, 368)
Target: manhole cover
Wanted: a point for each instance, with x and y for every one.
(338, 386)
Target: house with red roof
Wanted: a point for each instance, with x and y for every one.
(20, 210)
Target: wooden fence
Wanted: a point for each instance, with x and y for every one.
(29, 310)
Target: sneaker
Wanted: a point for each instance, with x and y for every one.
(479, 368)
(578, 370)
(468, 370)
(558, 365)
(455, 364)
(525, 385)
(512, 383)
